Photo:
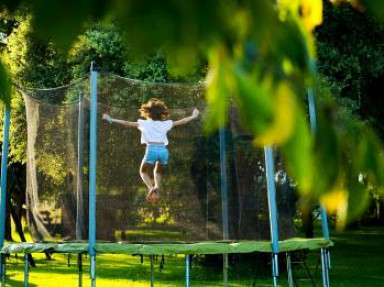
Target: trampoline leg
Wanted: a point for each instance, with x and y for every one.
(93, 270)
(324, 268)
(328, 264)
(225, 269)
(80, 268)
(2, 270)
(289, 270)
(26, 269)
(274, 281)
(186, 270)
(275, 269)
(152, 271)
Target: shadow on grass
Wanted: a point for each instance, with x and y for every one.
(129, 269)
(16, 283)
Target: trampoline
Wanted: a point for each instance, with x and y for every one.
(220, 195)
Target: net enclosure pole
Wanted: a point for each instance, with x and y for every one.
(224, 196)
(323, 213)
(3, 179)
(313, 122)
(2, 258)
(289, 270)
(80, 173)
(270, 174)
(92, 174)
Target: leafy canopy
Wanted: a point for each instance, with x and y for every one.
(261, 54)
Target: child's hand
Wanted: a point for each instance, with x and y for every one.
(106, 117)
(195, 113)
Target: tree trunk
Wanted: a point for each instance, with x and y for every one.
(308, 222)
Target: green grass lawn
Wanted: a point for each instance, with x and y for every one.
(358, 258)
(357, 261)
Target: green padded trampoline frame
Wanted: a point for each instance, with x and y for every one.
(207, 247)
(187, 248)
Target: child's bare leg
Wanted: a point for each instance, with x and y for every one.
(144, 169)
(157, 175)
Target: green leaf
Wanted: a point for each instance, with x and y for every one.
(327, 149)
(375, 7)
(358, 199)
(61, 21)
(219, 87)
(297, 152)
(254, 102)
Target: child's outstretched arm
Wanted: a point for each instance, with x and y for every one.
(109, 119)
(186, 120)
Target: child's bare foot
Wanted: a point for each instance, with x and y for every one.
(155, 194)
(149, 196)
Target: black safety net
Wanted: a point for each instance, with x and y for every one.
(190, 208)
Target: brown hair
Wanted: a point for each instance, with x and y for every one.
(155, 110)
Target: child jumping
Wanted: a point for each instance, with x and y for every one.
(154, 130)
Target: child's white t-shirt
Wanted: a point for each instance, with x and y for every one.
(154, 131)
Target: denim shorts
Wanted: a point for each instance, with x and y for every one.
(156, 153)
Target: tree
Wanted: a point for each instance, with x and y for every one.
(349, 58)
(352, 63)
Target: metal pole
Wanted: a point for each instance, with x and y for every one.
(186, 270)
(26, 269)
(329, 259)
(275, 268)
(270, 173)
(324, 268)
(92, 174)
(92, 268)
(289, 270)
(225, 269)
(4, 170)
(324, 219)
(224, 183)
(80, 168)
(80, 268)
(2, 270)
(3, 180)
(152, 272)
(313, 121)
(224, 197)
(327, 265)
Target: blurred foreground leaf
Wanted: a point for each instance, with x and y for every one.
(219, 83)
(260, 55)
